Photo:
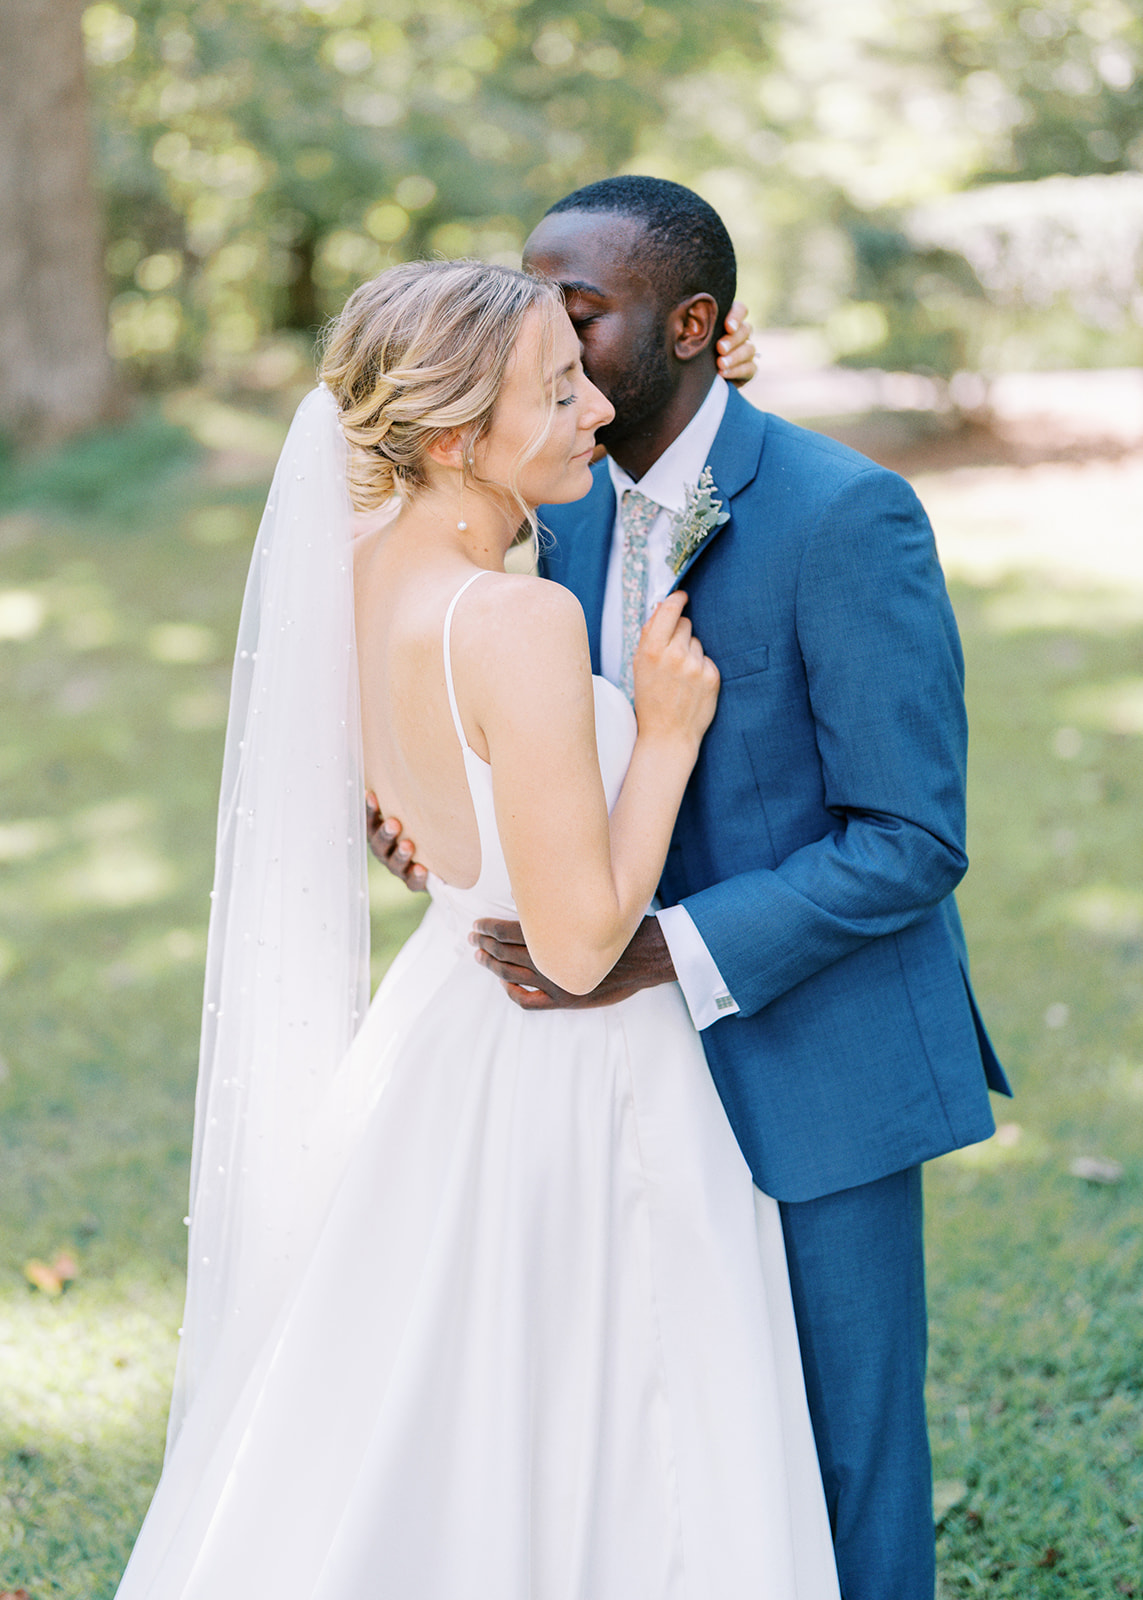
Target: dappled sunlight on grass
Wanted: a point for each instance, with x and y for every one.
(1035, 1392)
(84, 608)
(1062, 524)
(87, 1368)
(1036, 1236)
(1117, 707)
(110, 859)
(119, 872)
(182, 642)
(199, 711)
(30, 836)
(153, 956)
(1122, 1081)
(22, 614)
(219, 426)
(1025, 605)
(1011, 1142)
(86, 1383)
(1106, 910)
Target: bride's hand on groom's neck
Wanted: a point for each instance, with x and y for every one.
(394, 852)
(735, 350)
(500, 947)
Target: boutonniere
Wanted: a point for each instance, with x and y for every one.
(700, 515)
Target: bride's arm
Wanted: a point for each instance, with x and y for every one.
(582, 881)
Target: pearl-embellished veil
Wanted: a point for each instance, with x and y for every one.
(288, 950)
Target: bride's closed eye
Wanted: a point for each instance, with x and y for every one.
(568, 400)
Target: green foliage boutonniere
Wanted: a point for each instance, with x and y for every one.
(700, 515)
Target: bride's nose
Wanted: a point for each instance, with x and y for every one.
(599, 411)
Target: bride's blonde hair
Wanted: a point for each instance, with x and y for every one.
(420, 353)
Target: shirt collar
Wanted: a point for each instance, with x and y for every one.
(681, 463)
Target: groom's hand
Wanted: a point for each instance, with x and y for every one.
(500, 947)
(383, 835)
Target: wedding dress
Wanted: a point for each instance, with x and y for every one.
(541, 1346)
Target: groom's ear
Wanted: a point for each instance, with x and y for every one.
(692, 325)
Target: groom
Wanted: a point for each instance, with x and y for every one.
(808, 891)
(809, 885)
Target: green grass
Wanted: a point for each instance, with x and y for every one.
(1036, 1393)
(123, 602)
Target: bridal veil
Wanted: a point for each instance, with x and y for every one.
(288, 948)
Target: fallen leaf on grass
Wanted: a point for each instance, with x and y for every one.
(41, 1276)
(1050, 1556)
(50, 1280)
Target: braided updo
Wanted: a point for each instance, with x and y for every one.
(419, 353)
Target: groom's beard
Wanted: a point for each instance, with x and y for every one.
(639, 394)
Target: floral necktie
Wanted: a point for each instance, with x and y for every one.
(638, 513)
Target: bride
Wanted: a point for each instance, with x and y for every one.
(482, 1304)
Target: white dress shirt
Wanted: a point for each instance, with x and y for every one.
(676, 470)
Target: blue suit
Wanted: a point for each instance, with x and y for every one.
(817, 849)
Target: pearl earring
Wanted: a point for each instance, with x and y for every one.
(462, 526)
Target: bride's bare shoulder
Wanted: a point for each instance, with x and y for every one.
(529, 619)
(522, 647)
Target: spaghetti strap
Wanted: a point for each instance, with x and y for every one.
(457, 724)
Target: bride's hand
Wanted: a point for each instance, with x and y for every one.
(676, 683)
(735, 350)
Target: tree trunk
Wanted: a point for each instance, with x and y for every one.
(56, 376)
(303, 310)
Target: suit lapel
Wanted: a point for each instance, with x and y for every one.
(583, 544)
(734, 460)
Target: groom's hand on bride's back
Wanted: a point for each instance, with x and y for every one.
(500, 947)
(391, 849)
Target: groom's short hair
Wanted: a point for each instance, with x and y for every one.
(688, 248)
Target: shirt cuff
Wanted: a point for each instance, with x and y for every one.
(704, 990)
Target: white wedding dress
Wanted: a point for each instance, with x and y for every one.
(543, 1348)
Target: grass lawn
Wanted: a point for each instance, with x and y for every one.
(121, 576)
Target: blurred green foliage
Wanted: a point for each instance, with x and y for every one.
(113, 472)
(876, 117)
(261, 157)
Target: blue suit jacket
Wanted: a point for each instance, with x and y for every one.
(822, 832)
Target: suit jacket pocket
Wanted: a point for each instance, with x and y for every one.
(743, 662)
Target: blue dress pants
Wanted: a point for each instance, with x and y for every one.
(857, 1273)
